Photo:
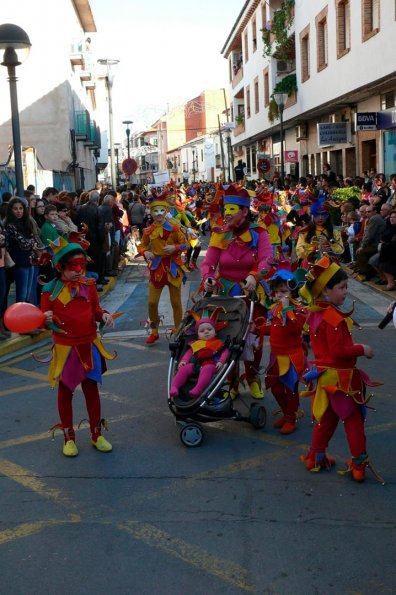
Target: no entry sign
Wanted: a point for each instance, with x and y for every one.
(129, 166)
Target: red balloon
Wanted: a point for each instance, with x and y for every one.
(23, 317)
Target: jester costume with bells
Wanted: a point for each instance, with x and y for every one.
(162, 245)
(288, 359)
(337, 387)
(78, 355)
(236, 254)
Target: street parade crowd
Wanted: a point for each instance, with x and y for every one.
(285, 244)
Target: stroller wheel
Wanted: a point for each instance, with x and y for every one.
(258, 416)
(191, 435)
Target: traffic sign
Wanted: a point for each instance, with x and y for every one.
(129, 166)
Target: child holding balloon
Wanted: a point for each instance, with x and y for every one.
(71, 307)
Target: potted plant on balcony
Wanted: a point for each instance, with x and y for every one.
(286, 85)
(277, 30)
(240, 118)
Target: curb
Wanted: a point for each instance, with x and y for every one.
(19, 344)
(391, 295)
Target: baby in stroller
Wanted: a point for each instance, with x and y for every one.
(204, 362)
(204, 356)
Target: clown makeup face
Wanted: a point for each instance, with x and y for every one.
(206, 331)
(158, 214)
(74, 268)
(234, 215)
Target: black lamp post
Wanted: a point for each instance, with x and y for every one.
(128, 132)
(193, 153)
(281, 99)
(14, 49)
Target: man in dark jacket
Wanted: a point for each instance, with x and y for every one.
(89, 214)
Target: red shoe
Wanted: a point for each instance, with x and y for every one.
(152, 339)
(358, 466)
(279, 422)
(315, 462)
(288, 427)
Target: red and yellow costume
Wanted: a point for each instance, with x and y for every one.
(165, 269)
(78, 355)
(340, 387)
(287, 359)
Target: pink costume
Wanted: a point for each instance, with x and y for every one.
(231, 257)
(202, 356)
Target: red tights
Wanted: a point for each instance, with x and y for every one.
(287, 400)
(92, 401)
(354, 429)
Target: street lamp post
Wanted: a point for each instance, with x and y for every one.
(281, 99)
(116, 149)
(109, 85)
(14, 49)
(193, 153)
(128, 133)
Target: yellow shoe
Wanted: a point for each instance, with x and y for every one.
(70, 449)
(256, 391)
(102, 444)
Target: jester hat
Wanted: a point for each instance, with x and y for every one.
(208, 318)
(60, 248)
(235, 194)
(317, 278)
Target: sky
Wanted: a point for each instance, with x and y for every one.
(169, 51)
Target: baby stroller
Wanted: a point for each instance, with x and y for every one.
(214, 403)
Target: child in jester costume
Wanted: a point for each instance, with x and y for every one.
(337, 386)
(71, 305)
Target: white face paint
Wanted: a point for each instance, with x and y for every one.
(158, 211)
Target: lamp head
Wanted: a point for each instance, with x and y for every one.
(14, 45)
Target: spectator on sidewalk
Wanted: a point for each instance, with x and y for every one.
(89, 214)
(21, 241)
(368, 246)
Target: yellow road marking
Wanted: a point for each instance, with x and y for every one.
(45, 435)
(227, 571)
(22, 389)
(189, 482)
(131, 345)
(25, 478)
(24, 373)
(27, 529)
(131, 368)
(25, 356)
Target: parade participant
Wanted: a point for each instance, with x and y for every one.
(285, 323)
(340, 391)
(237, 253)
(319, 237)
(71, 305)
(162, 244)
(204, 356)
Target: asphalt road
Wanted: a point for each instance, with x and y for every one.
(239, 514)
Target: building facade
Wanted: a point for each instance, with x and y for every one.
(56, 95)
(334, 60)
